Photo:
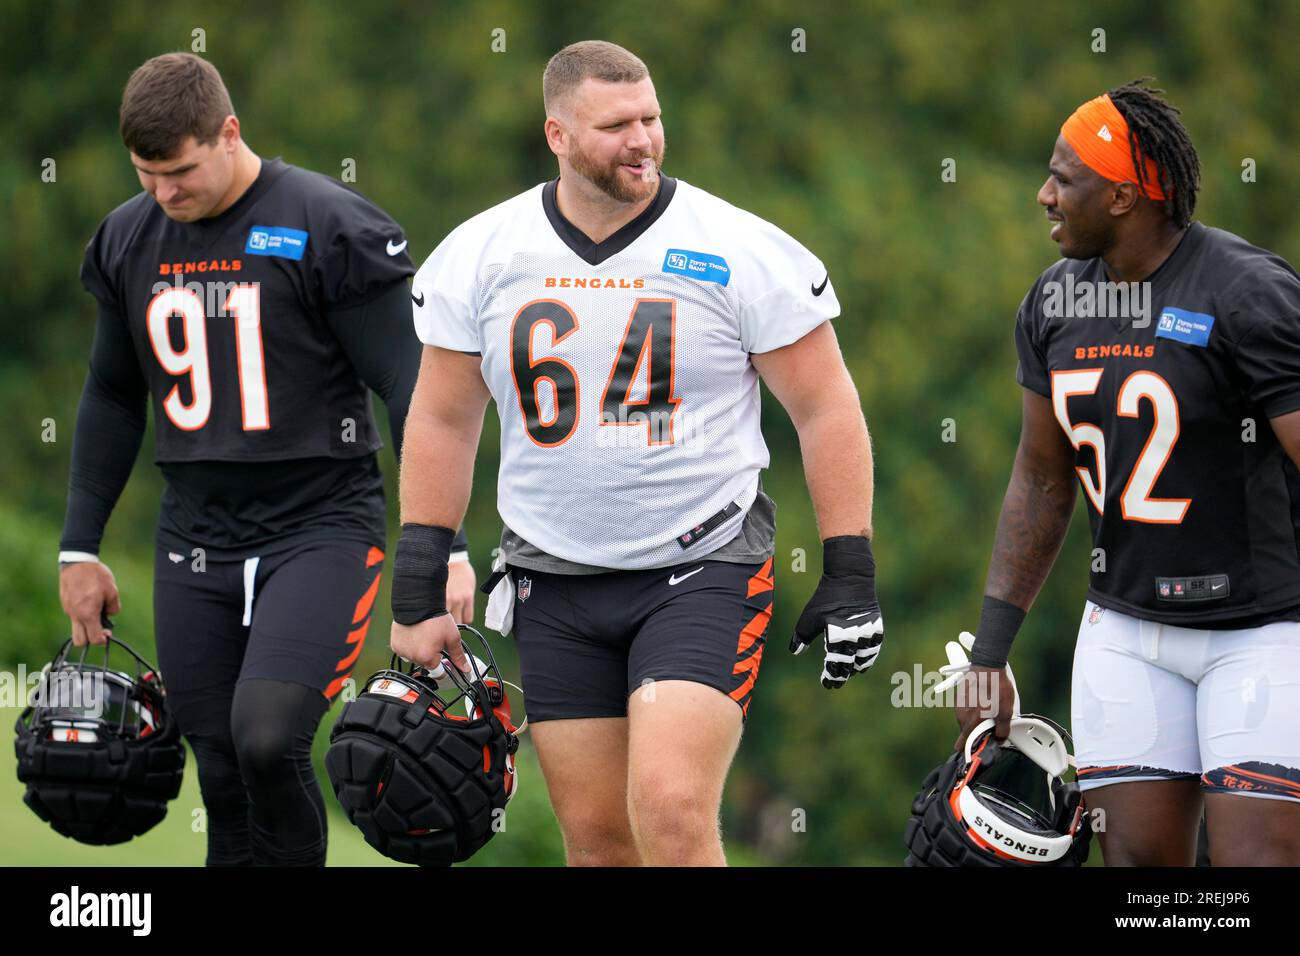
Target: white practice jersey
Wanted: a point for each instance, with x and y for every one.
(629, 407)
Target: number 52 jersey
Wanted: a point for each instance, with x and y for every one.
(1194, 505)
(629, 406)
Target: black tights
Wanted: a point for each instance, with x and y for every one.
(263, 803)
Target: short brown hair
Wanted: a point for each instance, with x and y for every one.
(588, 59)
(170, 98)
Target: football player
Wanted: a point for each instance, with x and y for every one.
(621, 320)
(1181, 422)
(255, 302)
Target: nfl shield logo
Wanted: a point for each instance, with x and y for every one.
(525, 588)
(1164, 589)
(1095, 615)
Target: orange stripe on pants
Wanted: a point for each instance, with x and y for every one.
(357, 637)
(748, 665)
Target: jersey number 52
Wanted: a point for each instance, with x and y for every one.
(1135, 502)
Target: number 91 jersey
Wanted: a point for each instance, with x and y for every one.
(629, 406)
(228, 315)
(1165, 389)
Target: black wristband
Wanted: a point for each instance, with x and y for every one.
(999, 622)
(848, 554)
(420, 573)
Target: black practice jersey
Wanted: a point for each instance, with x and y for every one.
(227, 315)
(1194, 505)
(289, 305)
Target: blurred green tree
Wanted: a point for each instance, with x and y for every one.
(843, 145)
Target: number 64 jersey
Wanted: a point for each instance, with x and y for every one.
(629, 406)
(1194, 505)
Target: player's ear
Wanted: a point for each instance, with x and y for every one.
(556, 137)
(229, 135)
(1122, 198)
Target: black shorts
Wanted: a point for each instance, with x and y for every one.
(586, 642)
(299, 614)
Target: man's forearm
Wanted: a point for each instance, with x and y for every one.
(437, 472)
(442, 432)
(1035, 516)
(837, 463)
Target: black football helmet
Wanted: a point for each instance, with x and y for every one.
(424, 784)
(97, 748)
(1001, 803)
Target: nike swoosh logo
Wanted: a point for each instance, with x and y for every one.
(819, 289)
(418, 302)
(854, 617)
(395, 249)
(1216, 587)
(674, 579)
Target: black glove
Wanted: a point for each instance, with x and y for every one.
(843, 611)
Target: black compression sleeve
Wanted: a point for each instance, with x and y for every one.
(110, 425)
(379, 339)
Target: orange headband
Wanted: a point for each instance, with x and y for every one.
(1099, 134)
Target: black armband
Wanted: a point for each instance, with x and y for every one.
(460, 542)
(999, 622)
(420, 573)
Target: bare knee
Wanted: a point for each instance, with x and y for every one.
(596, 839)
(675, 823)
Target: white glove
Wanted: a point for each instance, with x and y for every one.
(959, 663)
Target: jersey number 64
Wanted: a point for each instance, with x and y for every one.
(648, 343)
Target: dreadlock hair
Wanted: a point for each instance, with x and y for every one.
(1156, 131)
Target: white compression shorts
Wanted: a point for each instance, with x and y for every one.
(1157, 702)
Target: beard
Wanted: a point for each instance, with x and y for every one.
(1085, 241)
(607, 177)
